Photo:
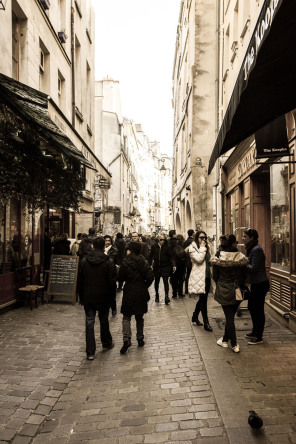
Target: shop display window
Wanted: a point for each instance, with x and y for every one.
(280, 216)
(2, 238)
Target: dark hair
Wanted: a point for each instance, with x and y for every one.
(99, 243)
(190, 232)
(180, 239)
(79, 236)
(134, 247)
(91, 231)
(119, 236)
(252, 233)
(226, 242)
(171, 233)
(107, 236)
(197, 234)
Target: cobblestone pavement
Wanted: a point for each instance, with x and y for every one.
(179, 388)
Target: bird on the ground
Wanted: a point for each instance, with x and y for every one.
(254, 420)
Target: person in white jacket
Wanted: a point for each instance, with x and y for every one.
(200, 277)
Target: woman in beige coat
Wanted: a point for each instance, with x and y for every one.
(200, 278)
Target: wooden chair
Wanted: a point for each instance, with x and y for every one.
(26, 291)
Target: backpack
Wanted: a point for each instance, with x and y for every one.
(180, 254)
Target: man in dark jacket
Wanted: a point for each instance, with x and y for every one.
(112, 252)
(188, 264)
(85, 245)
(96, 280)
(120, 245)
(161, 262)
(144, 246)
(172, 242)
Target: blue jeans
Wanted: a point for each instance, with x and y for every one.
(256, 307)
(126, 327)
(106, 338)
(229, 333)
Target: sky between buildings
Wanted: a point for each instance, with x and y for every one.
(135, 44)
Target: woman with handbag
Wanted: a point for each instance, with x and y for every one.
(200, 277)
(229, 267)
(138, 276)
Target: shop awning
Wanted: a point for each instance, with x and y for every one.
(31, 105)
(265, 87)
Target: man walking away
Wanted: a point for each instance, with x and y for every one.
(112, 252)
(144, 246)
(96, 280)
(188, 264)
(85, 245)
(172, 242)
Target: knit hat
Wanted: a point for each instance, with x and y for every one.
(134, 247)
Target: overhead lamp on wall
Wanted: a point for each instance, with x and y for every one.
(2, 5)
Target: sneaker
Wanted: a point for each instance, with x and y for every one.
(141, 342)
(235, 348)
(108, 347)
(125, 347)
(250, 335)
(90, 357)
(114, 312)
(255, 341)
(222, 343)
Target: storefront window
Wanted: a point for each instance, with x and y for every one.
(247, 216)
(280, 216)
(2, 237)
(12, 241)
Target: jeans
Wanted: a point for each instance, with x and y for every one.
(165, 284)
(256, 307)
(177, 280)
(202, 303)
(106, 338)
(229, 333)
(187, 275)
(126, 327)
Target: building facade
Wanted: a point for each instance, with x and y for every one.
(133, 200)
(257, 103)
(47, 65)
(195, 119)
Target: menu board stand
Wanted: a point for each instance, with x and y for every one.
(63, 276)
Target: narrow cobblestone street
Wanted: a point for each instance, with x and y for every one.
(179, 388)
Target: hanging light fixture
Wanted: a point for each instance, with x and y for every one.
(2, 5)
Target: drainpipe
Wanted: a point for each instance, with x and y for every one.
(73, 60)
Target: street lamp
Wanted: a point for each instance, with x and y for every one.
(135, 196)
(2, 5)
(163, 169)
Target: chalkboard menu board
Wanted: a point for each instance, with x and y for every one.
(63, 276)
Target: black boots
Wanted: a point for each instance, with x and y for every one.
(167, 300)
(125, 347)
(207, 326)
(156, 297)
(195, 319)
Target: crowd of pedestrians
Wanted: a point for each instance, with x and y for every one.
(110, 264)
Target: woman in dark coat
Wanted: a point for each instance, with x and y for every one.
(138, 276)
(257, 278)
(161, 262)
(62, 245)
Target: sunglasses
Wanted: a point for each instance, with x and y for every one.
(161, 240)
(202, 237)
